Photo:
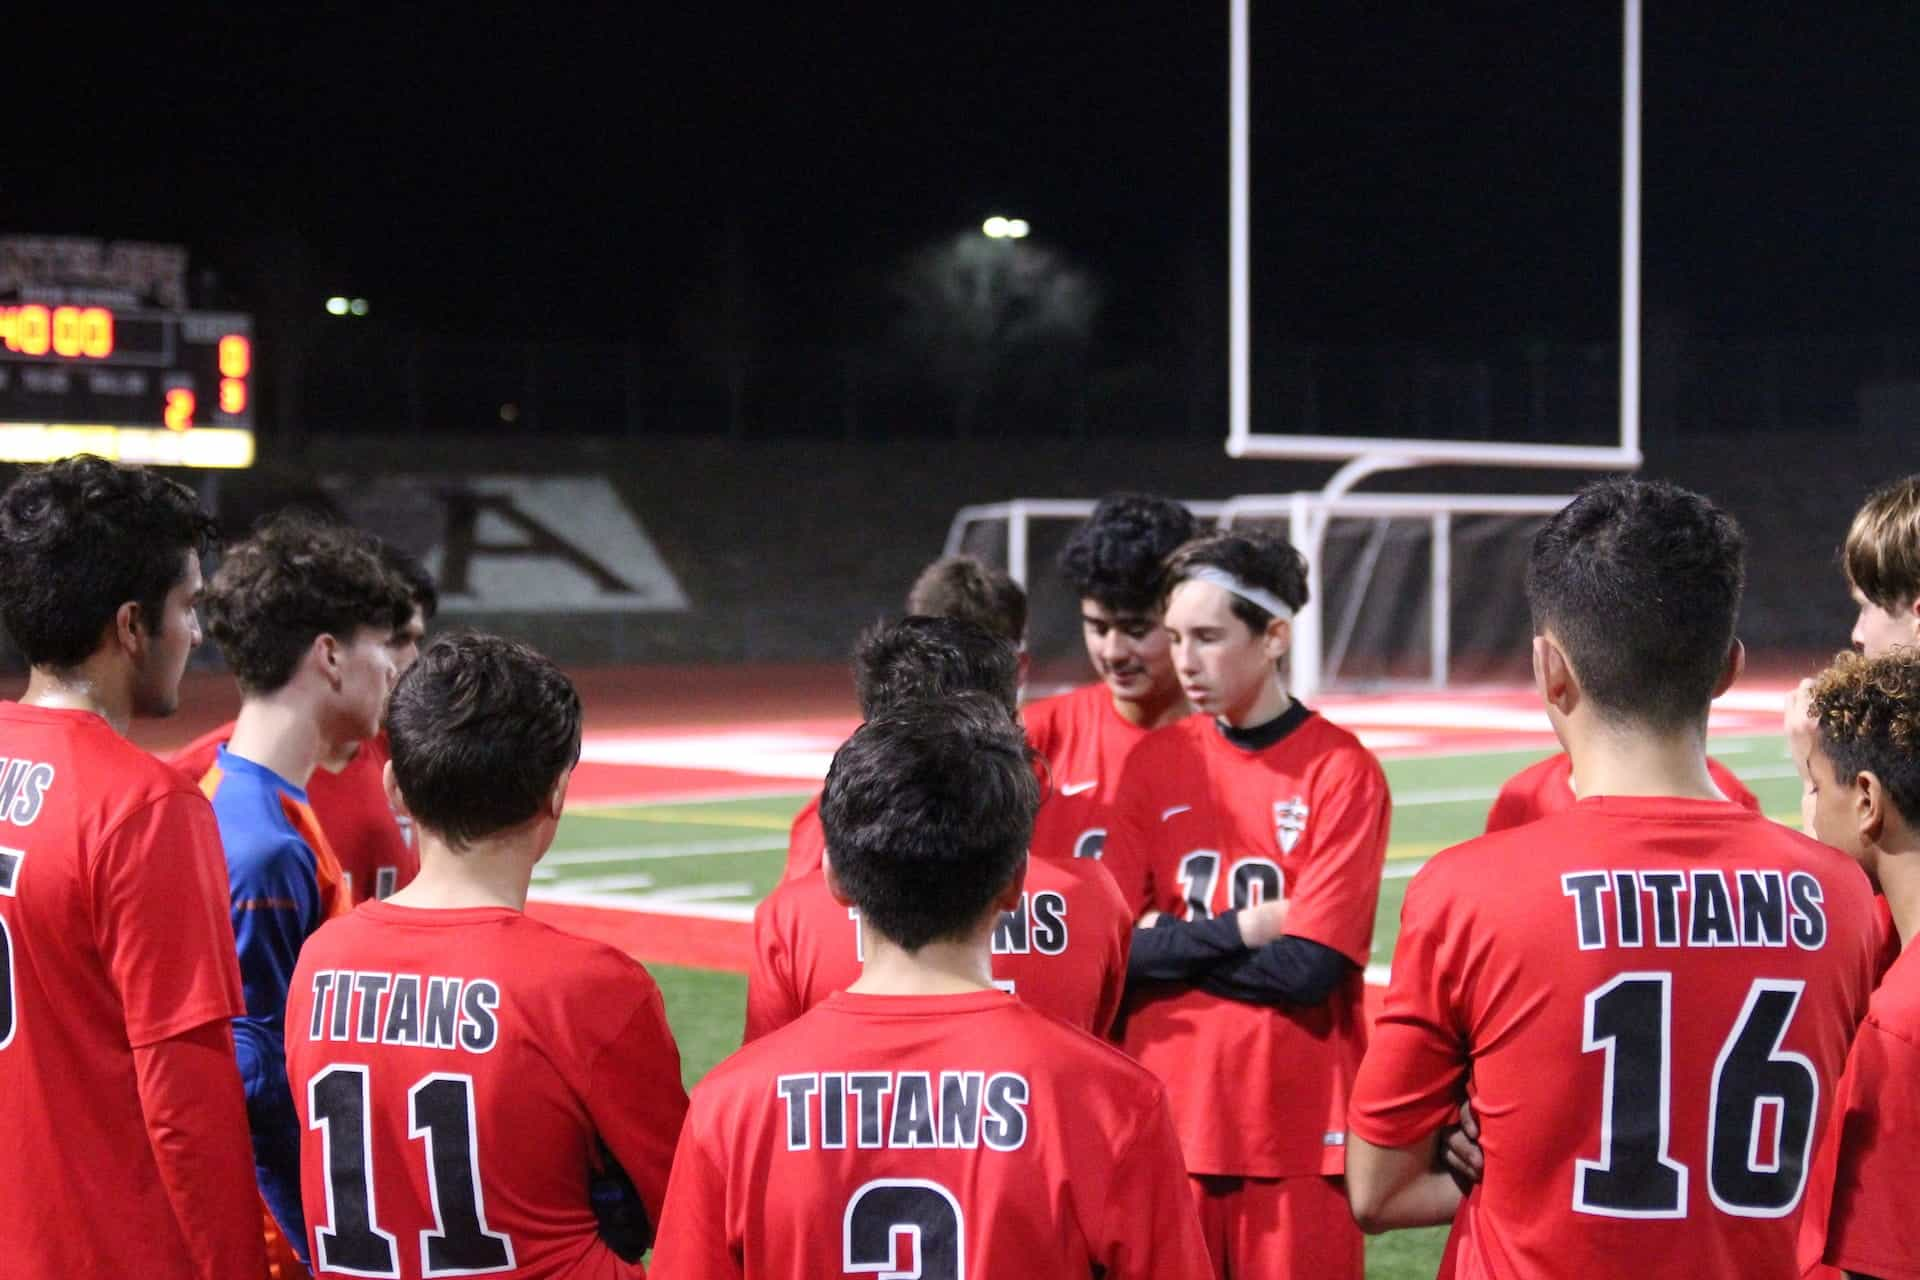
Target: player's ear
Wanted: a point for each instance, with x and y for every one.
(557, 798)
(1278, 638)
(1736, 663)
(1869, 806)
(391, 785)
(327, 656)
(130, 629)
(1553, 674)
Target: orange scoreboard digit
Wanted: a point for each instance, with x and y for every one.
(172, 387)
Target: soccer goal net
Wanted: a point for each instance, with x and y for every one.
(1408, 590)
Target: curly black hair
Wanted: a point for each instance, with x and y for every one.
(298, 577)
(1115, 557)
(82, 536)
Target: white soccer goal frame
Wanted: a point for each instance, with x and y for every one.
(1244, 442)
(1307, 514)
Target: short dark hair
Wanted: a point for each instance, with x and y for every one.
(1640, 582)
(1257, 559)
(928, 810)
(295, 578)
(481, 729)
(1882, 554)
(963, 587)
(406, 566)
(1866, 712)
(1115, 557)
(932, 658)
(79, 538)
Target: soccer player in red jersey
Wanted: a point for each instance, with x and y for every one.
(1651, 994)
(304, 614)
(923, 1122)
(1547, 787)
(1252, 839)
(123, 1134)
(1862, 783)
(950, 587)
(1063, 949)
(1113, 562)
(462, 1071)
(373, 844)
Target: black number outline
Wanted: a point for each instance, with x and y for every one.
(1587, 1198)
(329, 1236)
(887, 1268)
(1724, 1200)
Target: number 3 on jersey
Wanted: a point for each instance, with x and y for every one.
(925, 1212)
(1254, 880)
(1759, 1115)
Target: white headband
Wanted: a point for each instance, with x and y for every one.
(1246, 591)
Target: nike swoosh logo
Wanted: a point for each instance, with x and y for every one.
(1075, 788)
(1178, 808)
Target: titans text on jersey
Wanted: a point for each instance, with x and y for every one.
(423, 1011)
(905, 1109)
(1697, 908)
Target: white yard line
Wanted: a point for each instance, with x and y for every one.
(603, 884)
(686, 849)
(567, 895)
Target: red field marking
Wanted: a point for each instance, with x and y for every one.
(651, 938)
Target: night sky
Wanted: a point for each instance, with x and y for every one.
(1422, 170)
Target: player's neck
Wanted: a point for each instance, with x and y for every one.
(279, 731)
(1271, 703)
(1610, 761)
(1155, 711)
(1897, 867)
(943, 968)
(488, 873)
(81, 688)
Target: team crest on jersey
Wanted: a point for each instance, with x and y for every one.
(1289, 822)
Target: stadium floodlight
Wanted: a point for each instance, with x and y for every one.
(996, 228)
(337, 306)
(359, 307)
(1018, 229)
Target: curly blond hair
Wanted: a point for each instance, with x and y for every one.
(1866, 712)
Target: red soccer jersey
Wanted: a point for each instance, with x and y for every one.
(373, 844)
(113, 936)
(1859, 1206)
(455, 1072)
(1064, 951)
(1653, 998)
(1202, 827)
(1547, 787)
(930, 1136)
(1085, 744)
(806, 843)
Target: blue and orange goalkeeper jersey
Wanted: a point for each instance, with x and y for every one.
(283, 882)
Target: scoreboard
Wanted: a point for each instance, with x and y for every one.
(87, 371)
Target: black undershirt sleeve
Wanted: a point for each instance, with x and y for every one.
(1295, 971)
(1182, 951)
